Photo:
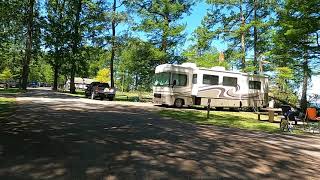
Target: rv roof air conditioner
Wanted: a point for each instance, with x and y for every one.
(192, 65)
(218, 68)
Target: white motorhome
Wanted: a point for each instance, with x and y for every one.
(187, 84)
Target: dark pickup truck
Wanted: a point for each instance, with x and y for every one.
(100, 90)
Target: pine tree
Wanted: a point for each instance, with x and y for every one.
(243, 25)
(160, 21)
(297, 40)
(56, 36)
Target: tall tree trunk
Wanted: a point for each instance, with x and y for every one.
(72, 85)
(304, 102)
(59, 52)
(113, 28)
(27, 59)
(255, 37)
(55, 78)
(136, 82)
(75, 47)
(164, 40)
(243, 45)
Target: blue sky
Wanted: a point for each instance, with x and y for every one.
(194, 20)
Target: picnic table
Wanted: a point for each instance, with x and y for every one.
(270, 112)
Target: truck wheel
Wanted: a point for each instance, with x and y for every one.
(178, 103)
(111, 98)
(92, 95)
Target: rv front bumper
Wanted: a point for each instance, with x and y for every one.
(163, 99)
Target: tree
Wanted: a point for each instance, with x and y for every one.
(75, 40)
(85, 20)
(283, 92)
(203, 38)
(40, 70)
(228, 19)
(262, 22)
(56, 36)
(233, 21)
(296, 41)
(6, 75)
(137, 63)
(20, 36)
(29, 42)
(116, 19)
(206, 59)
(160, 20)
(103, 75)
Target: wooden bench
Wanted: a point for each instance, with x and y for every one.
(271, 112)
(261, 113)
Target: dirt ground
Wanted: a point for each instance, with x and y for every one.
(55, 136)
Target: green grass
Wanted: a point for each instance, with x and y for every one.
(242, 120)
(79, 93)
(134, 96)
(6, 107)
(10, 91)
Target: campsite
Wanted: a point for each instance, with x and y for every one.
(159, 89)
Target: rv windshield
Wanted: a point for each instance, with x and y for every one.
(162, 79)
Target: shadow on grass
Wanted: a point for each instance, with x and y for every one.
(132, 98)
(121, 96)
(242, 120)
(11, 91)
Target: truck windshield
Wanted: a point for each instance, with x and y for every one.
(162, 79)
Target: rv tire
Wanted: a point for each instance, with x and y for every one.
(178, 103)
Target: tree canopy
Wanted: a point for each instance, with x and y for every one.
(122, 41)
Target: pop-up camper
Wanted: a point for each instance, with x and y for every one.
(188, 84)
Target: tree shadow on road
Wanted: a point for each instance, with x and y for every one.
(91, 141)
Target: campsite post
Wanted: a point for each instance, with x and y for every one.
(208, 108)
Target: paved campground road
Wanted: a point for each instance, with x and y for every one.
(56, 136)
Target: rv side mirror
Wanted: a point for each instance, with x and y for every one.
(174, 82)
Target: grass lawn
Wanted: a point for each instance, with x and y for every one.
(242, 120)
(134, 96)
(6, 107)
(10, 91)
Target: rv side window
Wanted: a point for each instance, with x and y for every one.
(255, 85)
(194, 79)
(181, 79)
(210, 79)
(230, 81)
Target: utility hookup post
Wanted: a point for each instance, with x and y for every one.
(208, 108)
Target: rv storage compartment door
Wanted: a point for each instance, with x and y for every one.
(221, 102)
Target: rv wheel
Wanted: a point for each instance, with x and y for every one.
(178, 103)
